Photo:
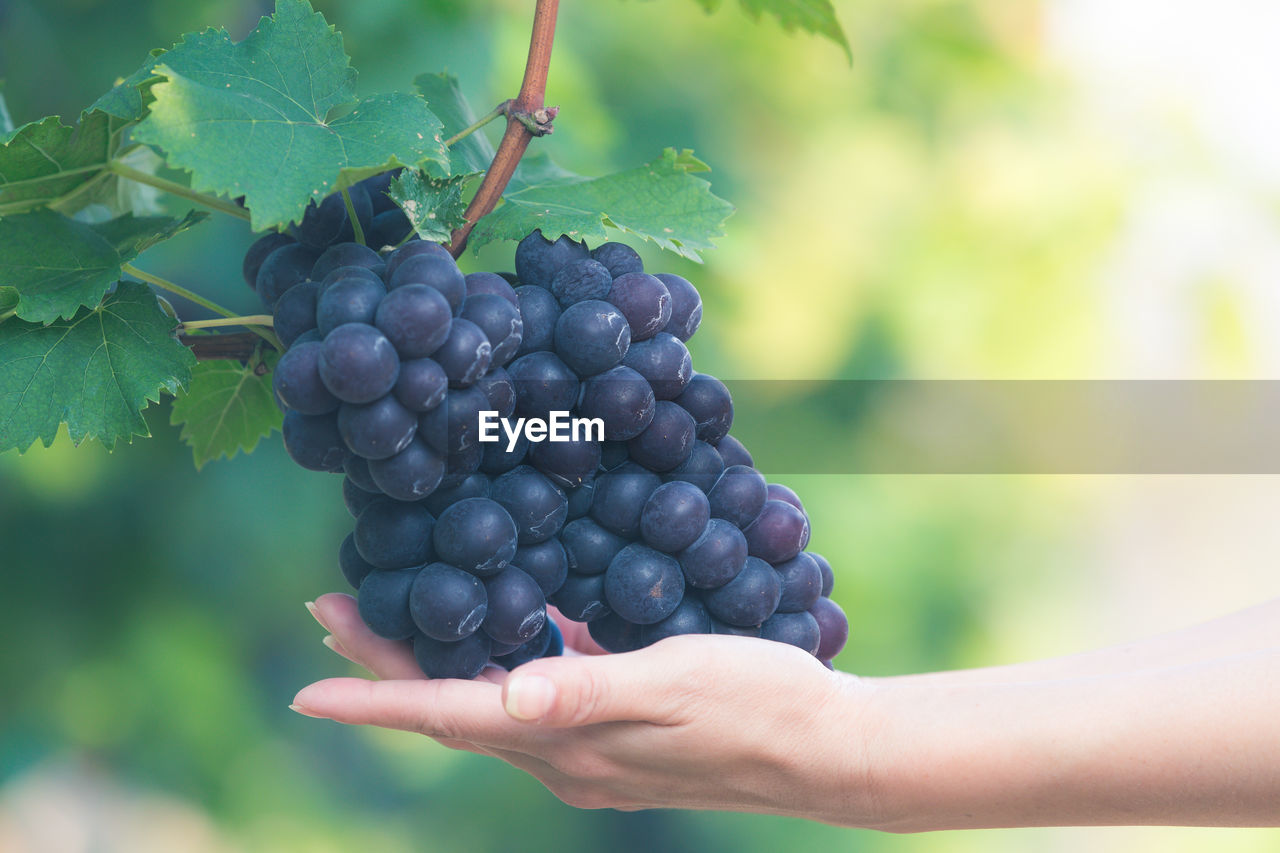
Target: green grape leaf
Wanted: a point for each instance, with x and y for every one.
(129, 97)
(47, 162)
(95, 372)
(58, 264)
(434, 206)
(8, 301)
(227, 408)
(275, 118)
(815, 16)
(661, 201)
(473, 153)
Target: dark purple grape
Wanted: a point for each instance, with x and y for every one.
(568, 464)
(422, 385)
(460, 465)
(257, 253)
(545, 562)
(377, 187)
(703, 467)
(446, 603)
(383, 601)
(377, 430)
(357, 470)
(341, 273)
(535, 503)
(580, 500)
(778, 533)
(499, 460)
(618, 258)
(411, 474)
(308, 337)
(798, 629)
(801, 583)
(326, 223)
(539, 312)
(499, 389)
(779, 492)
(739, 495)
(674, 516)
(615, 634)
(356, 499)
(454, 425)
(748, 599)
(416, 319)
(489, 282)
(689, 617)
(358, 364)
(354, 567)
(544, 384)
(828, 576)
(645, 302)
(642, 585)
(706, 398)
(499, 320)
(296, 311)
(579, 280)
(664, 361)
(313, 441)
(590, 548)
(395, 535)
(465, 353)
(686, 306)
(667, 441)
(475, 486)
(344, 255)
(733, 452)
(538, 259)
(283, 268)
(464, 659)
(715, 557)
(348, 300)
(622, 399)
(477, 535)
(517, 607)
(532, 650)
(581, 598)
(413, 249)
(620, 497)
(833, 628)
(388, 228)
(296, 381)
(591, 337)
(433, 270)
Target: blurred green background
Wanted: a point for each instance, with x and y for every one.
(993, 189)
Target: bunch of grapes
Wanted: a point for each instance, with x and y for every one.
(655, 525)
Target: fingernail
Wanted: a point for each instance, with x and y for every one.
(530, 697)
(315, 613)
(333, 645)
(307, 712)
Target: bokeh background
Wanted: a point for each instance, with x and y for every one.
(994, 189)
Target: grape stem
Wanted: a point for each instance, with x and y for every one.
(351, 215)
(526, 117)
(164, 284)
(501, 109)
(173, 188)
(265, 320)
(7, 314)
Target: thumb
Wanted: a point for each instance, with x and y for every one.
(580, 691)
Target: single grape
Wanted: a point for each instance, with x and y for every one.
(591, 337)
(568, 464)
(465, 354)
(388, 228)
(341, 273)
(377, 186)
(358, 364)
(348, 300)
(799, 629)
(464, 659)
(477, 535)
(416, 319)
(296, 381)
(801, 583)
(715, 557)
(499, 320)
(489, 282)
(344, 255)
(779, 492)
(356, 499)
(395, 535)
(703, 467)
(622, 399)
(833, 628)
(377, 430)
(410, 250)
(296, 311)
(748, 599)
(433, 270)
(739, 495)
(620, 497)
(517, 607)
(580, 279)
(706, 398)
(644, 301)
(642, 585)
(686, 306)
(535, 503)
(733, 452)
(257, 253)
(499, 389)
(475, 486)
(618, 258)
(544, 384)
(667, 441)
(539, 312)
(313, 441)
(446, 603)
(778, 533)
(664, 361)
(282, 269)
(674, 516)
(615, 634)
(689, 617)
(545, 562)
(828, 576)
(326, 223)
(588, 547)
(538, 259)
(422, 384)
(581, 598)
(354, 567)
(383, 602)
(411, 474)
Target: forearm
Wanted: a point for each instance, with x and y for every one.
(1197, 744)
(1236, 633)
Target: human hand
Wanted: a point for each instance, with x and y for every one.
(708, 722)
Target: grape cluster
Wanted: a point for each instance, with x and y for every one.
(659, 527)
